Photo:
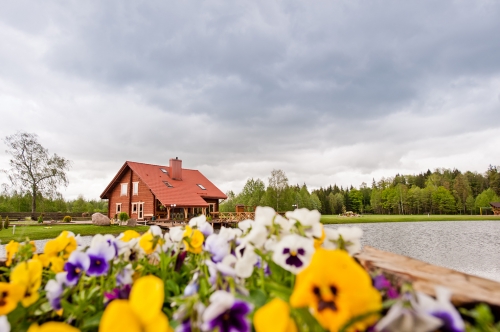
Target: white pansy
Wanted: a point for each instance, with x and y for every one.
(257, 236)
(293, 252)
(4, 324)
(285, 224)
(217, 246)
(401, 318)
(270, 243)
(310, 221)
(176, 233)
(220, 301)
(245, 225)
(155, 230)
(131, 251)
(201, 224)
(124, 277)
(230, 233)
(264, 215)
(247, 258)
(441, 308)
(351, 237)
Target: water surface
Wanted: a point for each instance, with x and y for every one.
(471, 247)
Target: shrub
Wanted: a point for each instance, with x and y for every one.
(67, 219)
(40, 219)
(6, 224)
(123, 216)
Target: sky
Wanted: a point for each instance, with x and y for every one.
(328, 91)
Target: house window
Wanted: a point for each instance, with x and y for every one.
(135, 188)
(134, 208)
(164, 170)
(118, 208)
(201, 186)
(168, 184)
(123, 191)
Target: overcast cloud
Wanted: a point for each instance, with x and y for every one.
(329, 91)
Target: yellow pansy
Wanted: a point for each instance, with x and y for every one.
(193, 240)
(63, 245)
(10, 295)
(56, 263)
(29, 276)
(52, 327)
(274, 317)
(148, 242)
(129, 235)
(12, 248)
(337, 291)
(131, 316)
(319, 241)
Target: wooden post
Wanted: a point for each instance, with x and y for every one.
(185, 213)
(168, 213)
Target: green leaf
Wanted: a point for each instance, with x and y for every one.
(92, 321)
(172, 287)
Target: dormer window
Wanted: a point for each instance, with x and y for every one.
(164, 170)
(201, 186)
(168, 184)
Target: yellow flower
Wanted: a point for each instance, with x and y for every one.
(194, 241)
(274, 316)
(148, 242)
(319, 242)
(142, 312)
(28, 275)
(52, 327)
(10, 295)
(56, 263)
(337, 291)
(12, 248)
(63, 245)
(129, 235)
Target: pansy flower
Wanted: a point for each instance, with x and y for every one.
(336, 289)
(345, 238)
(11, 248)
(142, 312)
(52, 327)
(10, 295)
(78, 263)
(218, 247)
(441, 308)
(193, 240)
(226, 314)
(309, 221)
(293, 252)
(28, 275)
(274, 317)
(100, 254)
(4, 324)
(202, 225)
(54, 290)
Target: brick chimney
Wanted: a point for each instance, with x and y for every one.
(176, 169)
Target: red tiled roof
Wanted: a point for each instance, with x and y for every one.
(182, 193)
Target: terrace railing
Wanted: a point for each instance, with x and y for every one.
(232, 216)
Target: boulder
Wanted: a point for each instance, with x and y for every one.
(132, 222)
(100, 219)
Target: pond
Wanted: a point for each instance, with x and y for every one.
(471, 247)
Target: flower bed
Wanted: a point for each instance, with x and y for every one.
(273, 273)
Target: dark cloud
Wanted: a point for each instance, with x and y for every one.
(328, 89)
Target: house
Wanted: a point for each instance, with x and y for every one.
(495, 206)
(172, 192)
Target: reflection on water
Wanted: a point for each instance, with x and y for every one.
(471, 247)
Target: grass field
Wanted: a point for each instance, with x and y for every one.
(52, 231)
(373, 218)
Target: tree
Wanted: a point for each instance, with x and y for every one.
(278, 182)
(33, 170)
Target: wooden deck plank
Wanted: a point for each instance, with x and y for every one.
(424, 277)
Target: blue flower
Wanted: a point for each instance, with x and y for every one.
(100, 254)
(77, 264)
(226, 314)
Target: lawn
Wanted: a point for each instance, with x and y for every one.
(373, 218)
(51, 231)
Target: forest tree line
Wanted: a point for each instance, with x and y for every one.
(15, 202)
(444, 191)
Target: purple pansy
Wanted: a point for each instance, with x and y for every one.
(54, 290)
(118, 293)
(78, 263)
(381, 283)
(293, 252)
(226, 314)
(100, 254)
(218, 246)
